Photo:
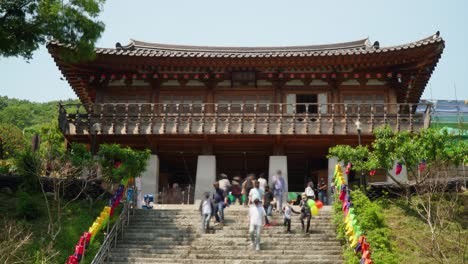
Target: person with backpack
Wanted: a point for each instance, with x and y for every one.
(236, 189)
(206, 211)
(224, 183)
(279, 187)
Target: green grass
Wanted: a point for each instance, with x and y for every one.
(78, 217)
(414, 239)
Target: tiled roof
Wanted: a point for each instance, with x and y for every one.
(145, 49)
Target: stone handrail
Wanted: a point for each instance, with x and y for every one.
(237, 118)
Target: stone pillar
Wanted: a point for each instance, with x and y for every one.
(206, 176)
(150, 179)
(279, 163)
(403, 177)
(331, 169)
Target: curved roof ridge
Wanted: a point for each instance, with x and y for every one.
(430, 39)
(136, 44)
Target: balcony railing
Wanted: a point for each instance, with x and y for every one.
(265, 119)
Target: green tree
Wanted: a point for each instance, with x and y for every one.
(432, 147)
(120, 163)
(11, 141)
(432, 158)
(26, 24)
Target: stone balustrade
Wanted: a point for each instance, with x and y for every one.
(264, 119)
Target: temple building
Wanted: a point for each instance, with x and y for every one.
(205, 110)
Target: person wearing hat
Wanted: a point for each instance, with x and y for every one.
(256, 218)
(224, 183)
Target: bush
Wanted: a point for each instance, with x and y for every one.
(27, 207)
(370, 218)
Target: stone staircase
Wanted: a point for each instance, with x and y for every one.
(171, 234)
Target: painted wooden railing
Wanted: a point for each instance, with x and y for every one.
(219, 118)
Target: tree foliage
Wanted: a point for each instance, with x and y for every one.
(11, 141)
(26, 114)
(432, 147)
(119, 163)
(26, 24)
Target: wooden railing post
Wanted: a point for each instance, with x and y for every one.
(101, 117)
(126, 120)
(385, 114)
(138, 123)
(114, 116)
(398, 117)
(177, 119)
(411, 117)
(151, 118)
(319, 121)
(164, 118)
(333, 118)
(345, 118)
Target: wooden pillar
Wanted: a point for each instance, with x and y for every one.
(278, 146)
(155, 88)
(278, 94)
(210, 97)
(207, 148)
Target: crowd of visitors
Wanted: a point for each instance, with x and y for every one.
(262, 199)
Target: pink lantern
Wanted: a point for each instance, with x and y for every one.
(398, 168)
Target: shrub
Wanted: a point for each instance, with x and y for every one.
(371, 219)
(27, 207)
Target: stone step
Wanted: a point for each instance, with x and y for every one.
(221, 250)
(173, 235)
(291, 242)
(297, 260)
(226, 233)
(246, 254)
(227, 229)
(227, 213)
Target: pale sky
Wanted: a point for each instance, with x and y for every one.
(264, 23)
